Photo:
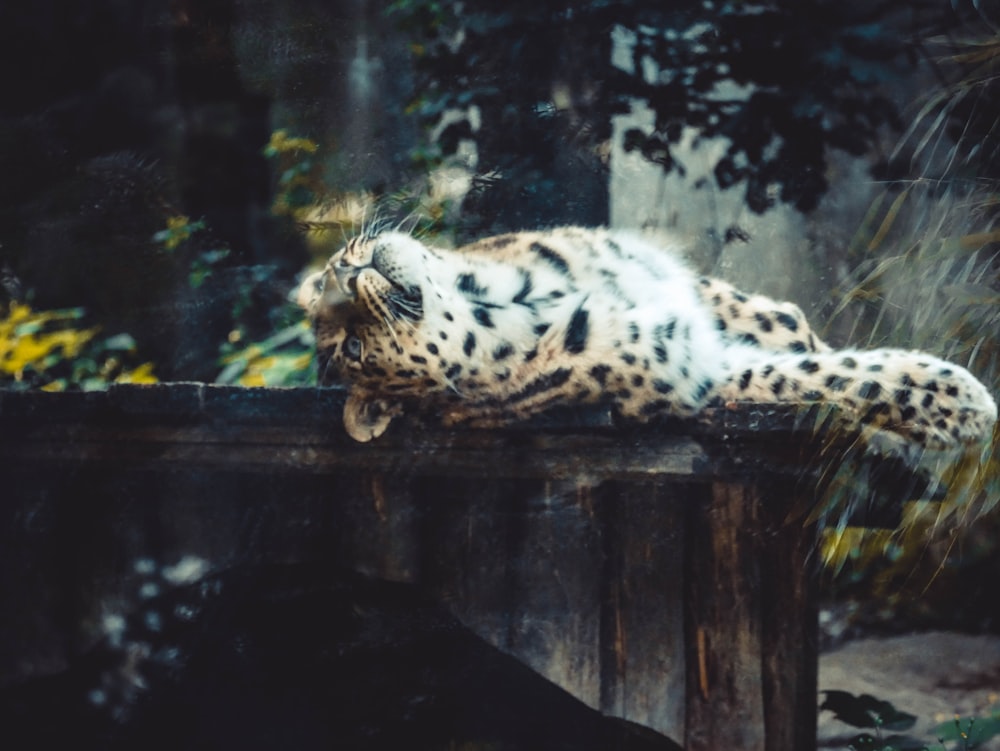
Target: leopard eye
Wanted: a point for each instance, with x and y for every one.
(352, 347)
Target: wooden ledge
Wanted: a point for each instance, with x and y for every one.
(299, 430)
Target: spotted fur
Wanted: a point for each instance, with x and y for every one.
(509, 326)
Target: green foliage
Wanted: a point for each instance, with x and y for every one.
(969, 732)
(285, 358)
(50, 350)
(179, 230)
(782, 80)
(299, 185)
(866, 711)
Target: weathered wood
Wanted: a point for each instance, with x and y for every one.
(299, 431)
(658, 573)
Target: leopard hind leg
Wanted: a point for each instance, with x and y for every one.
(922, 400)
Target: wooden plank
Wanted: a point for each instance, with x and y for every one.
(723, 639)
(299, 431)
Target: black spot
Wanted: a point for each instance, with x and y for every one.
(902, 396)
(734, 311)
(600, 373)
(684, 372)
(812, 395)
(628, 358)
(749, 339)
(469, 286)
(418, 359)
(501, 377)
(554, 259)
(526, 284)
(745, 379)
(951, 391)
(942, 424)
(798, 347)
(660, 352)
(503, 351)
(406, 373)
(543, 383)
(764, 322)
(448, 316)
(541, 328)
(482, 316)
(931, 386)
(869, 390)
(470, 344)
(808, 366)
(945, 372)
(667, 330)
(908, 413)
(638, 380)
(849, 362)
(876, 409)
(624, 394)
(875, 368)
(531, 355)
(443, 336)
(376, 370)
(837, 383)
(786, 320)
(768, 369)
(662, 387)
(500, 241)
(654, 407)
(633, 332)
(575, 340)
(778, 386)
(720, 323)
(739, 296)
(702, 391)
(927, 401)
(453, 371)
(432, 348)
(716, 299)
(705, 281)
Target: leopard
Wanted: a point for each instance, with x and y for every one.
(510, 326)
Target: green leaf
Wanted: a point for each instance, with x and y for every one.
(866, 711)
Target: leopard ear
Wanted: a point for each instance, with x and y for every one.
(367, 418)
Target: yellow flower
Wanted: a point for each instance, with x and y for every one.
(141, 374)
(280, 143)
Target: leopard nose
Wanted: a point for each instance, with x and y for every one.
(347, 279)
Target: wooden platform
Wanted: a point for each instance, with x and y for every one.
(663, 575)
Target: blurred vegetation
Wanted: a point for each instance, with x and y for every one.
(53, 351)
(783, 81)
(889, 724)
(926, 262)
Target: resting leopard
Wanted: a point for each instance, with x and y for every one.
(510, 326)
